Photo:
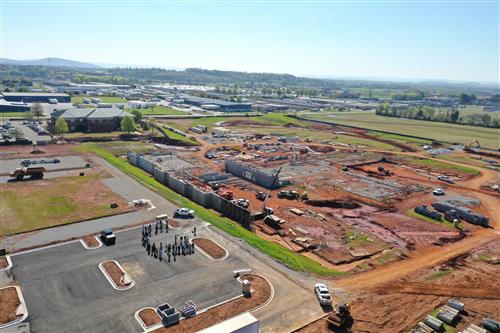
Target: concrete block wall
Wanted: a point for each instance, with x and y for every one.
(205, 199)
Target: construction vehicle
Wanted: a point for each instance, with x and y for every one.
(293, 195)
(268, 210)
(261, 196)
(225, 193)
(33, 172)
(339, 315)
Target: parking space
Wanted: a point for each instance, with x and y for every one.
(66, 292)
(65, 162)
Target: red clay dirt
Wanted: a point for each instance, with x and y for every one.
(9, 301)
(114, 272)
(3, 262)
(262, 292)
(149, 317)
(90, 241)
(210, 247)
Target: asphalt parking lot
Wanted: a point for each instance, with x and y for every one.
(66, 292)
(67, 162)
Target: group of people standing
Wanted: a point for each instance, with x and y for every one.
(181, 245)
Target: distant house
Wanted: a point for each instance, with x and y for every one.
(91, 120)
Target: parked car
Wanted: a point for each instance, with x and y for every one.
(322, 293)
(183, 212)
(108, 237)
(438, 191)
(446, 179)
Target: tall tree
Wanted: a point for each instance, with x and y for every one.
(128, 124)
(61, 127)
(37, 110)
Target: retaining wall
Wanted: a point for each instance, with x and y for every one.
(206, 199)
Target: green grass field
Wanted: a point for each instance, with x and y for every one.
(16, 115)
(488, 137)
(291, 259)
(54, 202)
(104, 99)
(176, 136)
(159, 110)
(434, 164)
(93, 135)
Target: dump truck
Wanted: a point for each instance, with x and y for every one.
(33, 172)
(339, 315)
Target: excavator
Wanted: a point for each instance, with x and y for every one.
(340, 314)
(473, 146)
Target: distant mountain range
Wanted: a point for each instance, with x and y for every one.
(53, 62)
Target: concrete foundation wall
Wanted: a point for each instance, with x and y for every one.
(205, 199)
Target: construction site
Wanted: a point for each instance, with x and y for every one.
(406, 242)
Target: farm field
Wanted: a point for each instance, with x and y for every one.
(104, 99)
(30, 205)
(488, 137)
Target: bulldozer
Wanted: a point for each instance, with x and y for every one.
(340, 314)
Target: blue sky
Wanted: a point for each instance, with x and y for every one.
(426, 40)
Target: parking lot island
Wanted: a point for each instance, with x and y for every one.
(209, 247)
(116, 275)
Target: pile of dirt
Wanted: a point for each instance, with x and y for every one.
(322, 149)
(262, 292)
(348, 204)
(37, 151)
(3, 262)
(149, 317)
(9, 301)
(114, 272)
(174, 223)
(210, 247)
(90, 241)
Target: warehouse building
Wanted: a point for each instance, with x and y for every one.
(91, 120)
(6, 106)
(31, 97)
(217, 104)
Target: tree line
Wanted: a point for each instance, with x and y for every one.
(449, 115)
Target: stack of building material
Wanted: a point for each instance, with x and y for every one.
(456, 304)
(474, 329)
(434, 323)
(448, 314)
(188, 310)
(168, 314)
(491, 325)
(463, 213)
(422, 210)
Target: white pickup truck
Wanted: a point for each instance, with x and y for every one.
(183, 212)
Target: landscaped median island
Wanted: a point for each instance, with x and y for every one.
(116, 275)
(149, 317)
(210, 247)
(11, 307)
(289, 258)
(262, 291)
(91, 242)
(3, 262)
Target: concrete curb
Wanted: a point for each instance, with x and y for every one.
(271, 296)
(143, 325)
(323, 315)
(22, 305)
(208, 255)
(9, 264)
(91, 248)
(110, 280)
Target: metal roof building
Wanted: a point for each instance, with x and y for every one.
(222, 104)
(31, 97)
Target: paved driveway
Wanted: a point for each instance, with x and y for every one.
(66, 292)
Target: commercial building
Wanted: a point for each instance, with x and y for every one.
(6, 106)
(217, 104)
(31, 97)
(91, 120)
